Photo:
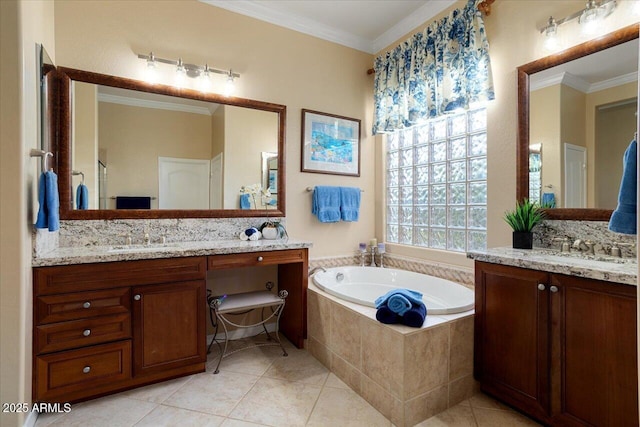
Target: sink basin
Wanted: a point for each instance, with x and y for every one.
(587, 257)
(141, 248)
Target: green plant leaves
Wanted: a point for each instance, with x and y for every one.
(525, 216)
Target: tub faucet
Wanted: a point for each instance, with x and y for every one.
(314, 269)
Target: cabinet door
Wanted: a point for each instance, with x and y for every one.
(512, 339)
(168, 326)
(594, 353)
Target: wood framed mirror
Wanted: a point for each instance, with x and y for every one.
(155, 151)
(525, 72)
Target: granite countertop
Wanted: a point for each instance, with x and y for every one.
(90, 254)
(600, 267)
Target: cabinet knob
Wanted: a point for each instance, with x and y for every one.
(137, 297)
(86, 332)
(260, 259)
(553, 289)
(86, 369)
(86, 305)
(541, 286)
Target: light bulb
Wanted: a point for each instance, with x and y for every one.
(551, 35)
(151, 73)
(230, 86)
(635, 8)
(589, 18)
(205, 80)
(181, 73)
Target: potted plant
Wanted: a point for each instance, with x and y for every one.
(272, 230)
(522, 220)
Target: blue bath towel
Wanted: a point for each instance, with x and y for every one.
(245, 202)
(82, 197)
(385, 315)
(49, 199)
(349, 203)
(623, 219)
(326, 203)
(548, 200)
(399, 300)
(415, 316)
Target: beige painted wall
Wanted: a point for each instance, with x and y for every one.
(134, 138)
(84, 137)
(22, 25)
(594, 99)
(276, 65)
(545, 129)
(243, 149)
(615, 127)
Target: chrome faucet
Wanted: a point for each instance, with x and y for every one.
(314, 269)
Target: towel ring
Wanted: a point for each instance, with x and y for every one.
(45, 156)
(75, 173)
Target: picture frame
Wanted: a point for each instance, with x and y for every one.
(330, 144)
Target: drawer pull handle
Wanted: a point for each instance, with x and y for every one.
(86, 305)
(541, 287)
(260, 259)
(86, 369)
(137, 297)
(553, 289)
(86, 332)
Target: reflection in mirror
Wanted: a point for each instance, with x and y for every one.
(136, 150)
(147, 151)
(577, 115)
(270, 172)
(46, 79)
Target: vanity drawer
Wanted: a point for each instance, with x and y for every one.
(89, 277)
(80, 305)
(254, 259)
(82, 333)
(69, 374)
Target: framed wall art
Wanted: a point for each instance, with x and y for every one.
(330, 144)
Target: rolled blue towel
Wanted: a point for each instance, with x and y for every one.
(623, 219)
(82, 197)
(385, 315)
(399, 305)
(415, 316)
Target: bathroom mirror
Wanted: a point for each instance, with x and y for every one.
(46, 79)
(155, 151)
(270, 172)
(565, 102)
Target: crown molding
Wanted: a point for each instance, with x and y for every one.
(257, 10)
(410, 23)
(584, 86)
(616, 81)
(159, 105)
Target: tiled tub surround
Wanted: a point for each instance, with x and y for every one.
(407, 374)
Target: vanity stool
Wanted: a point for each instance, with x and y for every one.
(220, 306)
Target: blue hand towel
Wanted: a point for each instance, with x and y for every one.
(245, 202)
(82, 197)
(415, 316)
(349, 203)
(623, 219)
(49, 199)
(399, 300)
(385, 315)
(548, 200)
(326, 203)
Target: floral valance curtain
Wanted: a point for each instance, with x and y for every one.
(441, 69)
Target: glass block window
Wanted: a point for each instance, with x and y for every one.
(436, 183)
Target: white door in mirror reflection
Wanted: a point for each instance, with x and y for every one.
(575, 176)
(183, 183)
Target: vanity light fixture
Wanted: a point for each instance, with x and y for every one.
(589, 18)
(230, 86)
(183, 70)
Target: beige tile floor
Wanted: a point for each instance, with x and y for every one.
(259, 387)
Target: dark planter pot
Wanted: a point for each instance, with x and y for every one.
(522, 239)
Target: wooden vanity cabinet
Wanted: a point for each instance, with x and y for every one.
(103, 327)
(562, 349)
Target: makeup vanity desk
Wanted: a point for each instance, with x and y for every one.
(108, 319)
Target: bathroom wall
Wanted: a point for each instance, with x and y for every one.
(276, 65)
(22, 25)
(514, 38)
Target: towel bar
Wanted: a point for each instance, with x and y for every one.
(41, 153)
(310, 189)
